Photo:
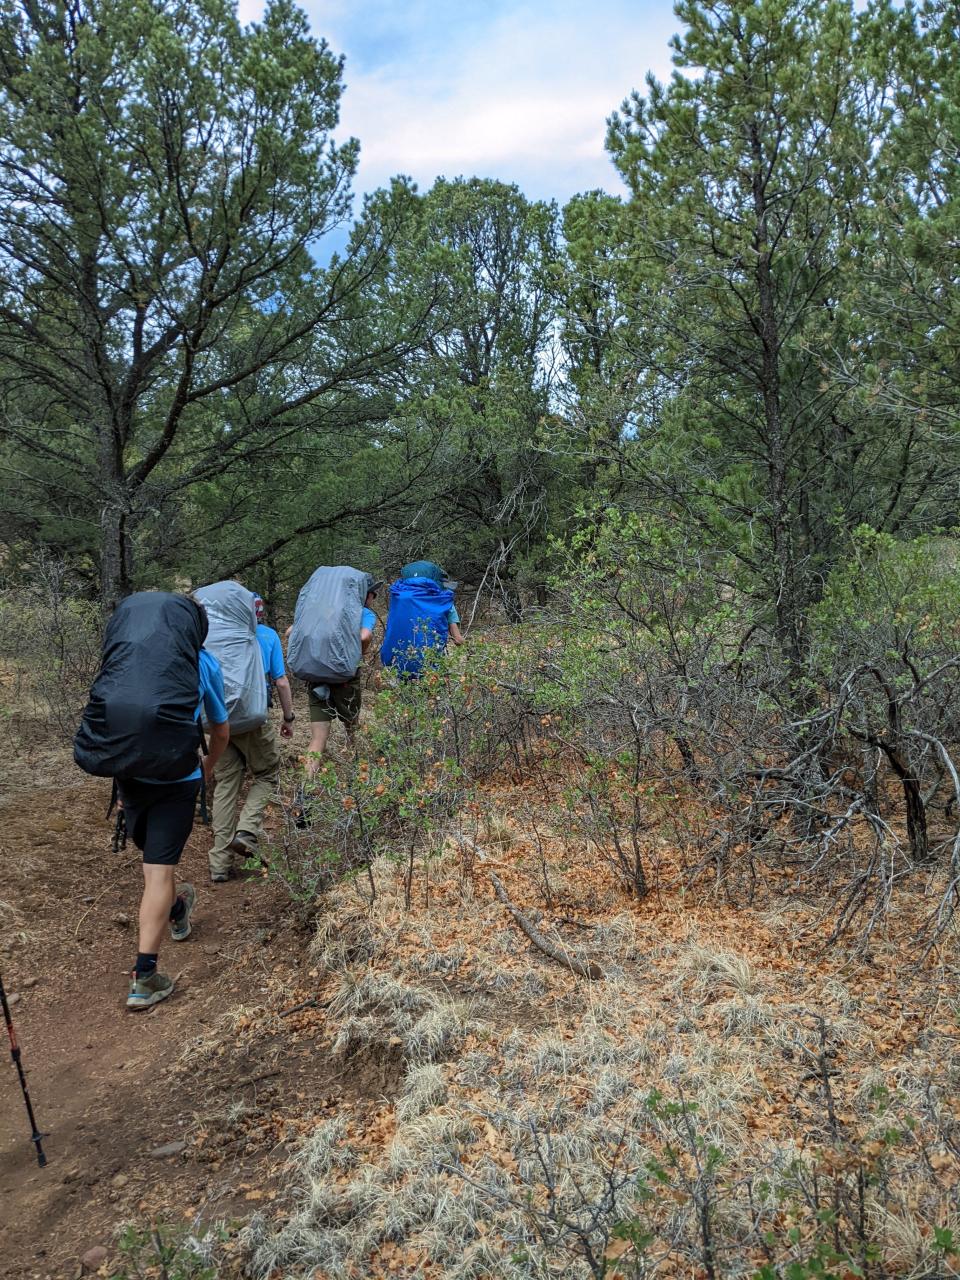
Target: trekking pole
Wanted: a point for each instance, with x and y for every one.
(36, 1137)
(119, 841)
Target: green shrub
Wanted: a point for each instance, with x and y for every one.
(170, 1253)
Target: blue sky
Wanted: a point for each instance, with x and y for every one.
(504, 88)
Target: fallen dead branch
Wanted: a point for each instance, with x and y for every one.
(312, 1003)
(577, 964)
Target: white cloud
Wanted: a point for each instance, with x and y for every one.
(510, 90)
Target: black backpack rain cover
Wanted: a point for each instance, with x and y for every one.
(141, 720)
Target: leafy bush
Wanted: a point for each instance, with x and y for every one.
(426, 745)
(669, 685)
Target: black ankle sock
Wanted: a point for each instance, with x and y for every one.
(178, 909)
(146, 964)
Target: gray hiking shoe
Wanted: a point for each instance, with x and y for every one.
(148, 990)
(219, 877)
(180, 929)
(245, 843)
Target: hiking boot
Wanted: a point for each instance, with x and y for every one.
(148, 989)
(245, 843)
(180, 929)
(219, 877)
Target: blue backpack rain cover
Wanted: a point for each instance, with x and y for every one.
(418, 620)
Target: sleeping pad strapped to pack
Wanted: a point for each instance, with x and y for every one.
(232, 639)
(324, 644)
(141, 720)
(419, 620)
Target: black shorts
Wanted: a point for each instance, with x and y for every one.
(159, 817)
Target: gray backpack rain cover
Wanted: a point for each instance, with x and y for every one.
(232, 639)
(325, 641)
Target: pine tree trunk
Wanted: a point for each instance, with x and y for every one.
(787, 603)
(116, 556)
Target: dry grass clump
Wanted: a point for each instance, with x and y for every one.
(518, 1160)
(231, 1026)
(710, 971)
(13, 929)
(430, 961)
(423, 1089)
(347, 938)
(499, 834)
(746, 1015)
(376, 1008)
(615, 939)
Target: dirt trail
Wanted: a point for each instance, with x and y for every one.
(98, 1075)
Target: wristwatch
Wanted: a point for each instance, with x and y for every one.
(290, 718)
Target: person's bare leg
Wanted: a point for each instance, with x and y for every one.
(319, 733)
(159, 892)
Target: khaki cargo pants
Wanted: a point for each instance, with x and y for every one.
(259, 751)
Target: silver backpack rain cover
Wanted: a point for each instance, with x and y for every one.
(232, 639)
(324, 644)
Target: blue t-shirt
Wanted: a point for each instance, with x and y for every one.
(368, 620)
(453, 616)
(269, 643)
(212, 702)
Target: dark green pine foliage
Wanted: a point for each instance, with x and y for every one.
(164, 176)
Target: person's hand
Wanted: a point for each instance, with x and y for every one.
(207, 771)
(286, 730)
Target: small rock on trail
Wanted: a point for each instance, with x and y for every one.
(169, 1149)
(94, 1258)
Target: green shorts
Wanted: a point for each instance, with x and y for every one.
(343, 703)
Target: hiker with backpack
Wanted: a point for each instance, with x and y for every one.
(422, 618)
(253, 745)
(141, 727)
(332, 630)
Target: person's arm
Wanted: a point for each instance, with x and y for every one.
(285, 694)
(286, 634)
(277, 673)
(218, 736)
(368, 622)
(456, 635)
(215, 706)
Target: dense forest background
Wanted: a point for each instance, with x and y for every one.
(748, 358)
